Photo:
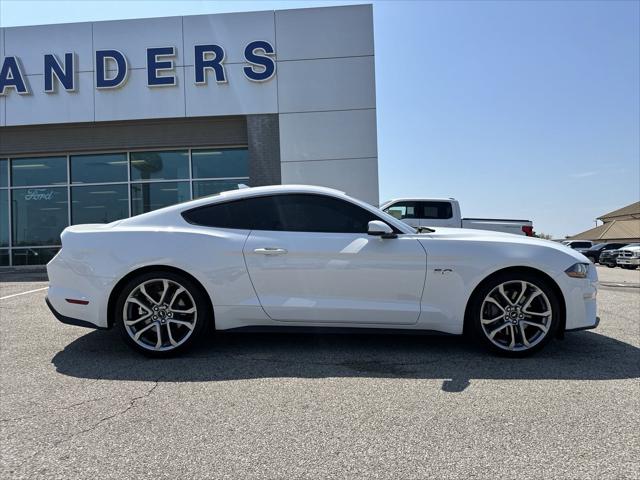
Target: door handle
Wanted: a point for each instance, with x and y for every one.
(270, 251)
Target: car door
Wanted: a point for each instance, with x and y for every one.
(310, 260)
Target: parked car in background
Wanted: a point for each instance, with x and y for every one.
(578, 244)
(608, 258)
(445, 212)
(594, 252)
(629, 257)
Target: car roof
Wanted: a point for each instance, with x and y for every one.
(420, 199)
(247, 192)
(166, 213)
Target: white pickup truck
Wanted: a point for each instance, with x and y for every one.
(445, 212)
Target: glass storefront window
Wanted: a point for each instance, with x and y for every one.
(102, 168)
(38, 171)
(203, 188)
(4, 172)
(151, 196)
(33, 256)
(40, 196)
(99, 203)
(4, 218)
(168, 165)
(221, 163)
(38, 215)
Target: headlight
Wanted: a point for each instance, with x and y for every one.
(636, 254)
(579, 270)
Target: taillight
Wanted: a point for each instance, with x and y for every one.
(528, 230)
(77, 301)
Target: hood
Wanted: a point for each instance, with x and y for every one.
(468, 234)
(631, 249)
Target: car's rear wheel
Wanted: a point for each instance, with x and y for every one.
(515, 314)
(161, 314)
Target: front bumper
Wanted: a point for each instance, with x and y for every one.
(628, 261)
(71, 321)
(590, 327)
(607, 261)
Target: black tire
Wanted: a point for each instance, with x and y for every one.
(474, 314)
(193, 292)
(629, 267)
(610, 265)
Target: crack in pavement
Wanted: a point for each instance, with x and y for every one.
(67, 407)
(132, 403)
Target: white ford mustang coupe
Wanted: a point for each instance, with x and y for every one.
(311, 257)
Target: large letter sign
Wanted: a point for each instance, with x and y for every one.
(11, 77)
(258, 55)
(112, 68)
(65, 75)
(155, 66)
(104, 56)
(209, 57)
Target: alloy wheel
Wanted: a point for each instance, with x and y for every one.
(516, 315)
(159, 314)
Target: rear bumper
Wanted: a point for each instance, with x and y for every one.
(76, 293)
(71, 321)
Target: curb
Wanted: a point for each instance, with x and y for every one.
(616, 285)
(23, 274)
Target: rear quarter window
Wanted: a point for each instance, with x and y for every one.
(220, 215)
(437, 210)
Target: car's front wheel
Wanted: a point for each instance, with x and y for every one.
(515, 313)
(161, 313)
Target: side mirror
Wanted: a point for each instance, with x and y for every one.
(378, 228)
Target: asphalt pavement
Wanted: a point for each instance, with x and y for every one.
(77, 403)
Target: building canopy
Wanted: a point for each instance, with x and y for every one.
(622, 224)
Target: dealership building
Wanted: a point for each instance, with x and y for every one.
(103, 120)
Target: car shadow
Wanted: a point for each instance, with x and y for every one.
(581, 356)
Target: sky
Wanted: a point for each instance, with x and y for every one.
(517, 109)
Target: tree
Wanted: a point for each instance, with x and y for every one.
(546, 236)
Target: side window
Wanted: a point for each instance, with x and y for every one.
(292, 212)
(437, 210)
(319, 213)
(401, 210)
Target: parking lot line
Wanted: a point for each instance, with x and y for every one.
(23, 293)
